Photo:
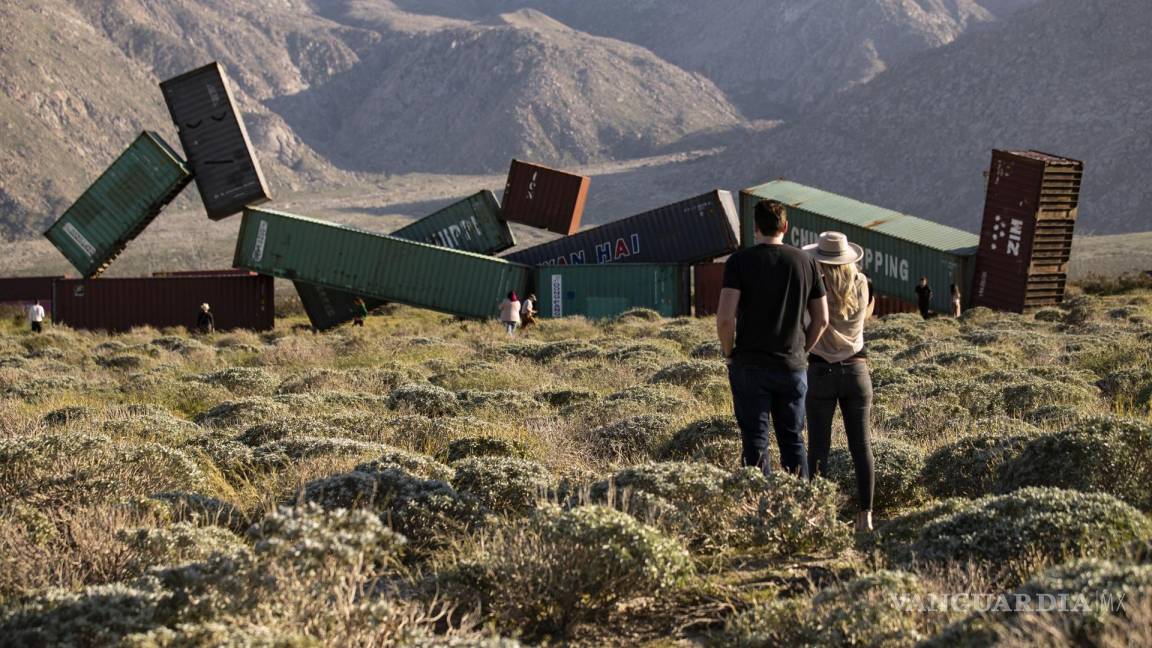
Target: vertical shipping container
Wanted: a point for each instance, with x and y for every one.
(898, 248)
(119, 204)
(693, 230)
(237, 302)
(1026, 237)
(382, 267)
(545, 198)
(707, 280)
(473, 224)
(214, 138)
(600, 291)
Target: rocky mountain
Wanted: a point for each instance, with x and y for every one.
(1065, 76)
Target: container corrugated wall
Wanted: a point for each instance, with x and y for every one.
(545, 198)
(119, 204)
(693, 230)
(600, 291)
(898, 248)
(25, 291)
(214, 138)
(707, 281)
(237, 302)
(1026, 237)
(473, 224)
(374, 265)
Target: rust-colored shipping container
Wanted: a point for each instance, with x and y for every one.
(886, 305)
(707, 280)
(25, 291)
(1026, 238)
(237, 301)
(545, 198)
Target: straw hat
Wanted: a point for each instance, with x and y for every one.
(833, 248)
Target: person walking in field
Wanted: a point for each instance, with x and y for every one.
(956, 309)
(924, 297)
(510, 312)
(528, 311)
(205, 321)
(36, 317)
(360, 309)
(767, 290)
(838, 368)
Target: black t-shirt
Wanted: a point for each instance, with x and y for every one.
(924, 294)
(776, 282)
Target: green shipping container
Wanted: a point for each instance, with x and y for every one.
(374, 265)
(473, 224)
(898, 248)
(605, 290)
(120, 204)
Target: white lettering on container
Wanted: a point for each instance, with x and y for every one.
(1013, 230)
(79, 240)
(261, 237)
(557, 295)
(877, 264)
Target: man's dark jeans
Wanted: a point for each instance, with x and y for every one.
(765, 398)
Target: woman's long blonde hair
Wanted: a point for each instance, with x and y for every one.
(843, 293)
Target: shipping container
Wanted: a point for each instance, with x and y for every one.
(214, 138)
(1030, 216)
(119, 204)
(21, 292)
(890, 305)
(236, 301)
(707, 281)
(898, 248)
(473, 224)
(600, 291)
(545, 198)
(374, 265)
(204, 273)
(690, 231)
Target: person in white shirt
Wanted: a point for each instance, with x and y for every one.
(528, 312)
(510, 312)
(36, 317)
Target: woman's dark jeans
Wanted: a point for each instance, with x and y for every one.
(850, 386)
(766, 398)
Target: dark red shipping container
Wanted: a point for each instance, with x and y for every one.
(544, 198)
(25, 291)
(890, 305)
(1026, 238)
(707, 279)
(237, 302)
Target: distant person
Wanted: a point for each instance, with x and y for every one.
(838, 369)
(36, 317)
(205, 321)
(528, 311)
(767, 290)
(955, 301)
(510, 312)
(360, 310)
(924, 296)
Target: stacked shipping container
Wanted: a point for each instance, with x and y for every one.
(1026, 238)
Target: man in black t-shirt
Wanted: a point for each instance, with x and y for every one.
(924, 297)
(767, 290)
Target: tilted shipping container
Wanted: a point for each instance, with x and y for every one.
(707, 281)
(236, 302)
(375, 265)
(692, 230)
(898, 248)
(1026, 237)
(119, 204)
(600, 291)
(473, 224)
(545, 198)
(214, 138)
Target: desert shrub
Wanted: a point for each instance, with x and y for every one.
(244, 412)
(544, 574)
(965, 359)
(1130, 386)
(1048, 314)
(502, 484)
(689, 372)
(707, 351)
(898, 468)
(124, 362)
(1033, 523)
(1081, 309)
(1108, 455)
(639, 354)
(39, 389)
(425, 400)
(714, 440)
(96, 616)
(230, 457)
(971, 466)
(432, 435)
(285, 428)
(288, 451)
(484, 446)
(642, 314)
(322, 403)
(201, 509)
(653, 396)
(506, 401)
(178, 543)
(412, 463)
(374, 381)
(426, 511)
(64, 415)
(1022, 398)
(630, 437)
(897, 536)
(242, 381)
(565, 350)
(308, 536)
(215, 633)
(930, 419)
(159, 427)
(565, 397)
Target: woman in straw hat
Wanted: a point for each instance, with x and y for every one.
(838, 368)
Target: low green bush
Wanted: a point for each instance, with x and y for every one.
(242, 413)
(422, 399)
(689, 372)
(484, 446)
(242, 381)
(971, 466)
(630, 438)
(714, 440)
(503, 485)
(413, 463)
(898, 469)
(178, 543)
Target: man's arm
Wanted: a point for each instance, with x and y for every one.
(817, 322)
(726, 319)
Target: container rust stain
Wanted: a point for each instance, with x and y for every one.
(1030, 215)
(545, 198)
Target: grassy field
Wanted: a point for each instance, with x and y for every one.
(423, 481)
